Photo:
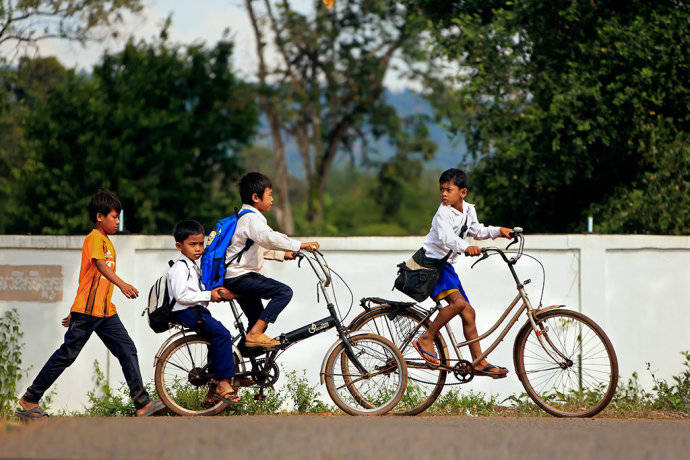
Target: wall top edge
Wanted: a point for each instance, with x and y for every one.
(370, 243)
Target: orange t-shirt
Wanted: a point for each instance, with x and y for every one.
(95, 291)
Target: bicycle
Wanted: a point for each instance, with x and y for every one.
(368, 365)
(564, 360)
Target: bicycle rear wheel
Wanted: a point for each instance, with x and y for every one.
(379, 388)
(424, 384)
(576, 374)
(182, 377)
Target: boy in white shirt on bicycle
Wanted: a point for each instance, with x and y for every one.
(454, 220)
(253, 241)
(191, 309)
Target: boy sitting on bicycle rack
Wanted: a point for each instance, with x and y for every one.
(454, 220)
(190, 309)
(253, 241)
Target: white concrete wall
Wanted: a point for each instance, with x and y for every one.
(636, 287)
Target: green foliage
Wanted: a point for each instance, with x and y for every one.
(104, 402)
(456, 402)
(156, 124)
(305, 397)
(572, 107)
(28, 21)
(674, 396)
(358, 202)
(332, 66)
(10, 360)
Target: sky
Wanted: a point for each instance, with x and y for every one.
(192, 21)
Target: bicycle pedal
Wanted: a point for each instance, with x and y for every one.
(259, 397)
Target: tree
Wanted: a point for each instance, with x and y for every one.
(325, 88)
(570, 106)
(155, 123)
(30, 21)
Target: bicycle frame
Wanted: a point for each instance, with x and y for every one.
(525, 306)
(288, 339)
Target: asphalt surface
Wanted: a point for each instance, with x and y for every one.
(288, 437)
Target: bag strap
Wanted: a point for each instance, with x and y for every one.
(238, 257)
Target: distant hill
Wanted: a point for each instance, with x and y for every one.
(451, 151)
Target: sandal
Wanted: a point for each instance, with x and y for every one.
(485, 371)
(265, 342)
(229, 397)
(31, 414)
(424, 354)
(154, 407)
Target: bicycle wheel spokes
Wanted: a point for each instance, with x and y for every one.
(575, 373)
(424, 384)
(182, 377)
(374, 391)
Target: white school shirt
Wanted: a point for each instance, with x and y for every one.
(449, 228)
(184, 284)
(268, 244)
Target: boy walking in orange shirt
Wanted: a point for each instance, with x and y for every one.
(93, 311)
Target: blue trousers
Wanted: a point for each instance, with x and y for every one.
(113, 334)
(199, 319)
(252, 287)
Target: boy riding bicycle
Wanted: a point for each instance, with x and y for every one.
(252, 242)
(454, 220)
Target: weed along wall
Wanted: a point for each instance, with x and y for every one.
(636, 287)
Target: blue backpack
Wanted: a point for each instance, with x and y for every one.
(213, 264)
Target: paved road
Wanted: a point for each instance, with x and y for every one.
(287, 437)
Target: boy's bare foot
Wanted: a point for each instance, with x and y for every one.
(425, 347)
(225, 392)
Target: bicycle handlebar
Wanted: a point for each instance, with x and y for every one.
(323, 275)
(517, 236)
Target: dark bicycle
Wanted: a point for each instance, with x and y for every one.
(564, 360)
(365, 374)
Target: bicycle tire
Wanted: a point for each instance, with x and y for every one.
(417, 375)
(162, 387)
(393, 360)
(579, 394)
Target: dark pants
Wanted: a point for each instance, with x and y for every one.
(221, 360)
(113, 334)
(252, 287)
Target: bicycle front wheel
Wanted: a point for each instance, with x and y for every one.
(574, 372)
(375, 391)
(183, 378)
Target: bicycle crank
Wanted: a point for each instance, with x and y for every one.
(463, 371)
(264, 376)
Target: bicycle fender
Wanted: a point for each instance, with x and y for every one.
(539, 311)
(322, 373)
(168, 341)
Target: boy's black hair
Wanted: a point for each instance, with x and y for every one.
(456, 176)
(186, 228)
(103, 201)
(251, 183)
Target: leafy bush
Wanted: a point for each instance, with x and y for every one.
(305, 396)
(10, 360)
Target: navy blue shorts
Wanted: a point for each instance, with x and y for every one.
(449, 283)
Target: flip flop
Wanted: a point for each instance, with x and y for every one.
(229, 397)
(31, 414)
(422, 352)
(155, 407)
(494, 375)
